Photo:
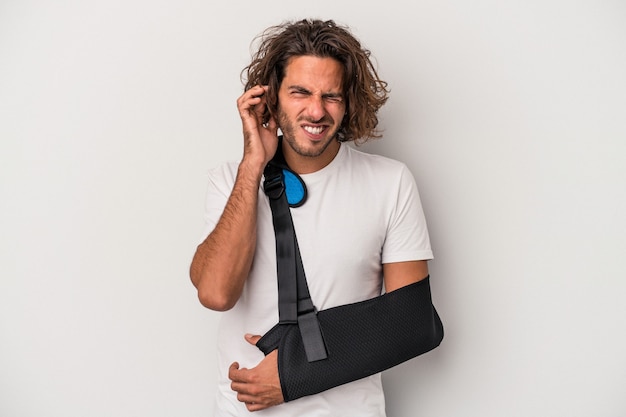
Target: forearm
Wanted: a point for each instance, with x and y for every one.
(362, 338)
(222, 262)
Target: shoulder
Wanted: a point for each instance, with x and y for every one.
(222, 177)
(225, 170)
(373, 164)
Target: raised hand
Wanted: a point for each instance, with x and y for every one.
(260, 140)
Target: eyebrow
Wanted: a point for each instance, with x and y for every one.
(300, 89)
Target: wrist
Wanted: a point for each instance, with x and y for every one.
(252, 169)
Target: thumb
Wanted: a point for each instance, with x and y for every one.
(252, 338)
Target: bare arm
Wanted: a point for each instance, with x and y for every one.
(399, 274)
(222, 262)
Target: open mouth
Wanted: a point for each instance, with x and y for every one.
(314, 130)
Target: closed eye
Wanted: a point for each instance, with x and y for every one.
(333, 98)
(299, 92)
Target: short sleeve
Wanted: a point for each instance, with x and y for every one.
(407, 236)
(220, 182)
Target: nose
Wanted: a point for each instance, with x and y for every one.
(315, 108)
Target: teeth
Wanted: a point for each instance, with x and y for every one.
(314, 130)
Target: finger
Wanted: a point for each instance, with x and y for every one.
(254, 402)
(240, 376)
(256, 406)
(251, 99)
(243, 389)
(258, 90)
(249, 105)
(255, 94)
(234, 373)
(250, 392)
(252, 338)
(247, 398)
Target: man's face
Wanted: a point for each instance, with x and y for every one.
(311, 107)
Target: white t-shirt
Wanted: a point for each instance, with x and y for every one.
(362, 211)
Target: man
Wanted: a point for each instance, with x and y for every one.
(361, 227)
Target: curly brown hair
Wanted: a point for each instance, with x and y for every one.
(364, 92)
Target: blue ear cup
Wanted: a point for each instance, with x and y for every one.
(294, 188)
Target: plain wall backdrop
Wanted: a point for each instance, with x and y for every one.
(511, 115)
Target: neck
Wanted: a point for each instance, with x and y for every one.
(308, 164)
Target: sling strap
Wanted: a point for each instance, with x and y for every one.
(294, 301)
(363, 338)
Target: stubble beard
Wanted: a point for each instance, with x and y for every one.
(289, 135)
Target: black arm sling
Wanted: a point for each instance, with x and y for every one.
(321, 350)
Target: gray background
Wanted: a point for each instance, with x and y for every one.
(511, 115)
